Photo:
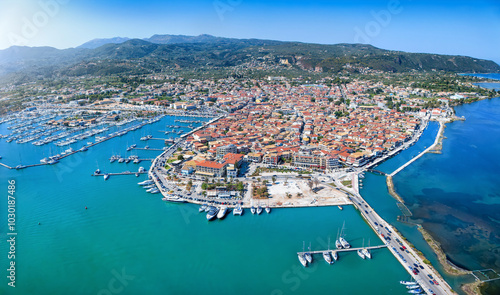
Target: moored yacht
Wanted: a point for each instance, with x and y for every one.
(302, 260)
(98, 171)
(145, 182)
(212, 212)
(360, 253)
(327, 257)
(222, 212)
(344, 243)
(367, 253)
(252, 209)
(338, 244)
(174, 199)
(308, 257)
(238, 210)
(268, 209)
(106, 176)
(202, 208)
(407, 283)
(259, 210)
(335, 255)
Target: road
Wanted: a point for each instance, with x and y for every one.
(406, 256)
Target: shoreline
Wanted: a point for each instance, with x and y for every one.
(473, 288)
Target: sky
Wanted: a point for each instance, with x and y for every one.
(470, 28)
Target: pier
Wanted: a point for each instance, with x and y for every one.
(120, 173)
(342, 250)
(441, 126)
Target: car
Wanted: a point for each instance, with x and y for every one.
(401, 248)
(376, 223)
(431, 282)
(435, 282)
(366, 212)
(421, 267)
(404, 248)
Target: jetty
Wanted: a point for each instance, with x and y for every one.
(119, 173)
(342, 250)
(441, 126)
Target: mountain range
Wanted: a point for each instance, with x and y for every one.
(128, 56)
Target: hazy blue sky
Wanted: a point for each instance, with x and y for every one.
(450, 27)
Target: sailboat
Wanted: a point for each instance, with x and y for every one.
(326, 254)
(343, 241)
(365, 251)
(302, 259)
(338, 244)
(360, 251)
(308, 255)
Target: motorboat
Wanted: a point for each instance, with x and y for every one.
(212, 212)
(222, 212)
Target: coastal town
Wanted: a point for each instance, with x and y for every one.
(255, 144)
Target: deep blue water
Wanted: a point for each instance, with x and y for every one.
(456, 194)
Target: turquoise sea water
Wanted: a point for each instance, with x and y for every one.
(454, 195)
(131, 242)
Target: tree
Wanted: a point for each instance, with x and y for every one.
(179, 149)
(189, 185)
(180, 157)
(204, 186)
(273, 179)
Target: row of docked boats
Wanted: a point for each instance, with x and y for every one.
(213, 211)
(134, 159)
(258, 210)
(413, 287)
(149, 186)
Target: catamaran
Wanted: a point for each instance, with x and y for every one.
(238, 210)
